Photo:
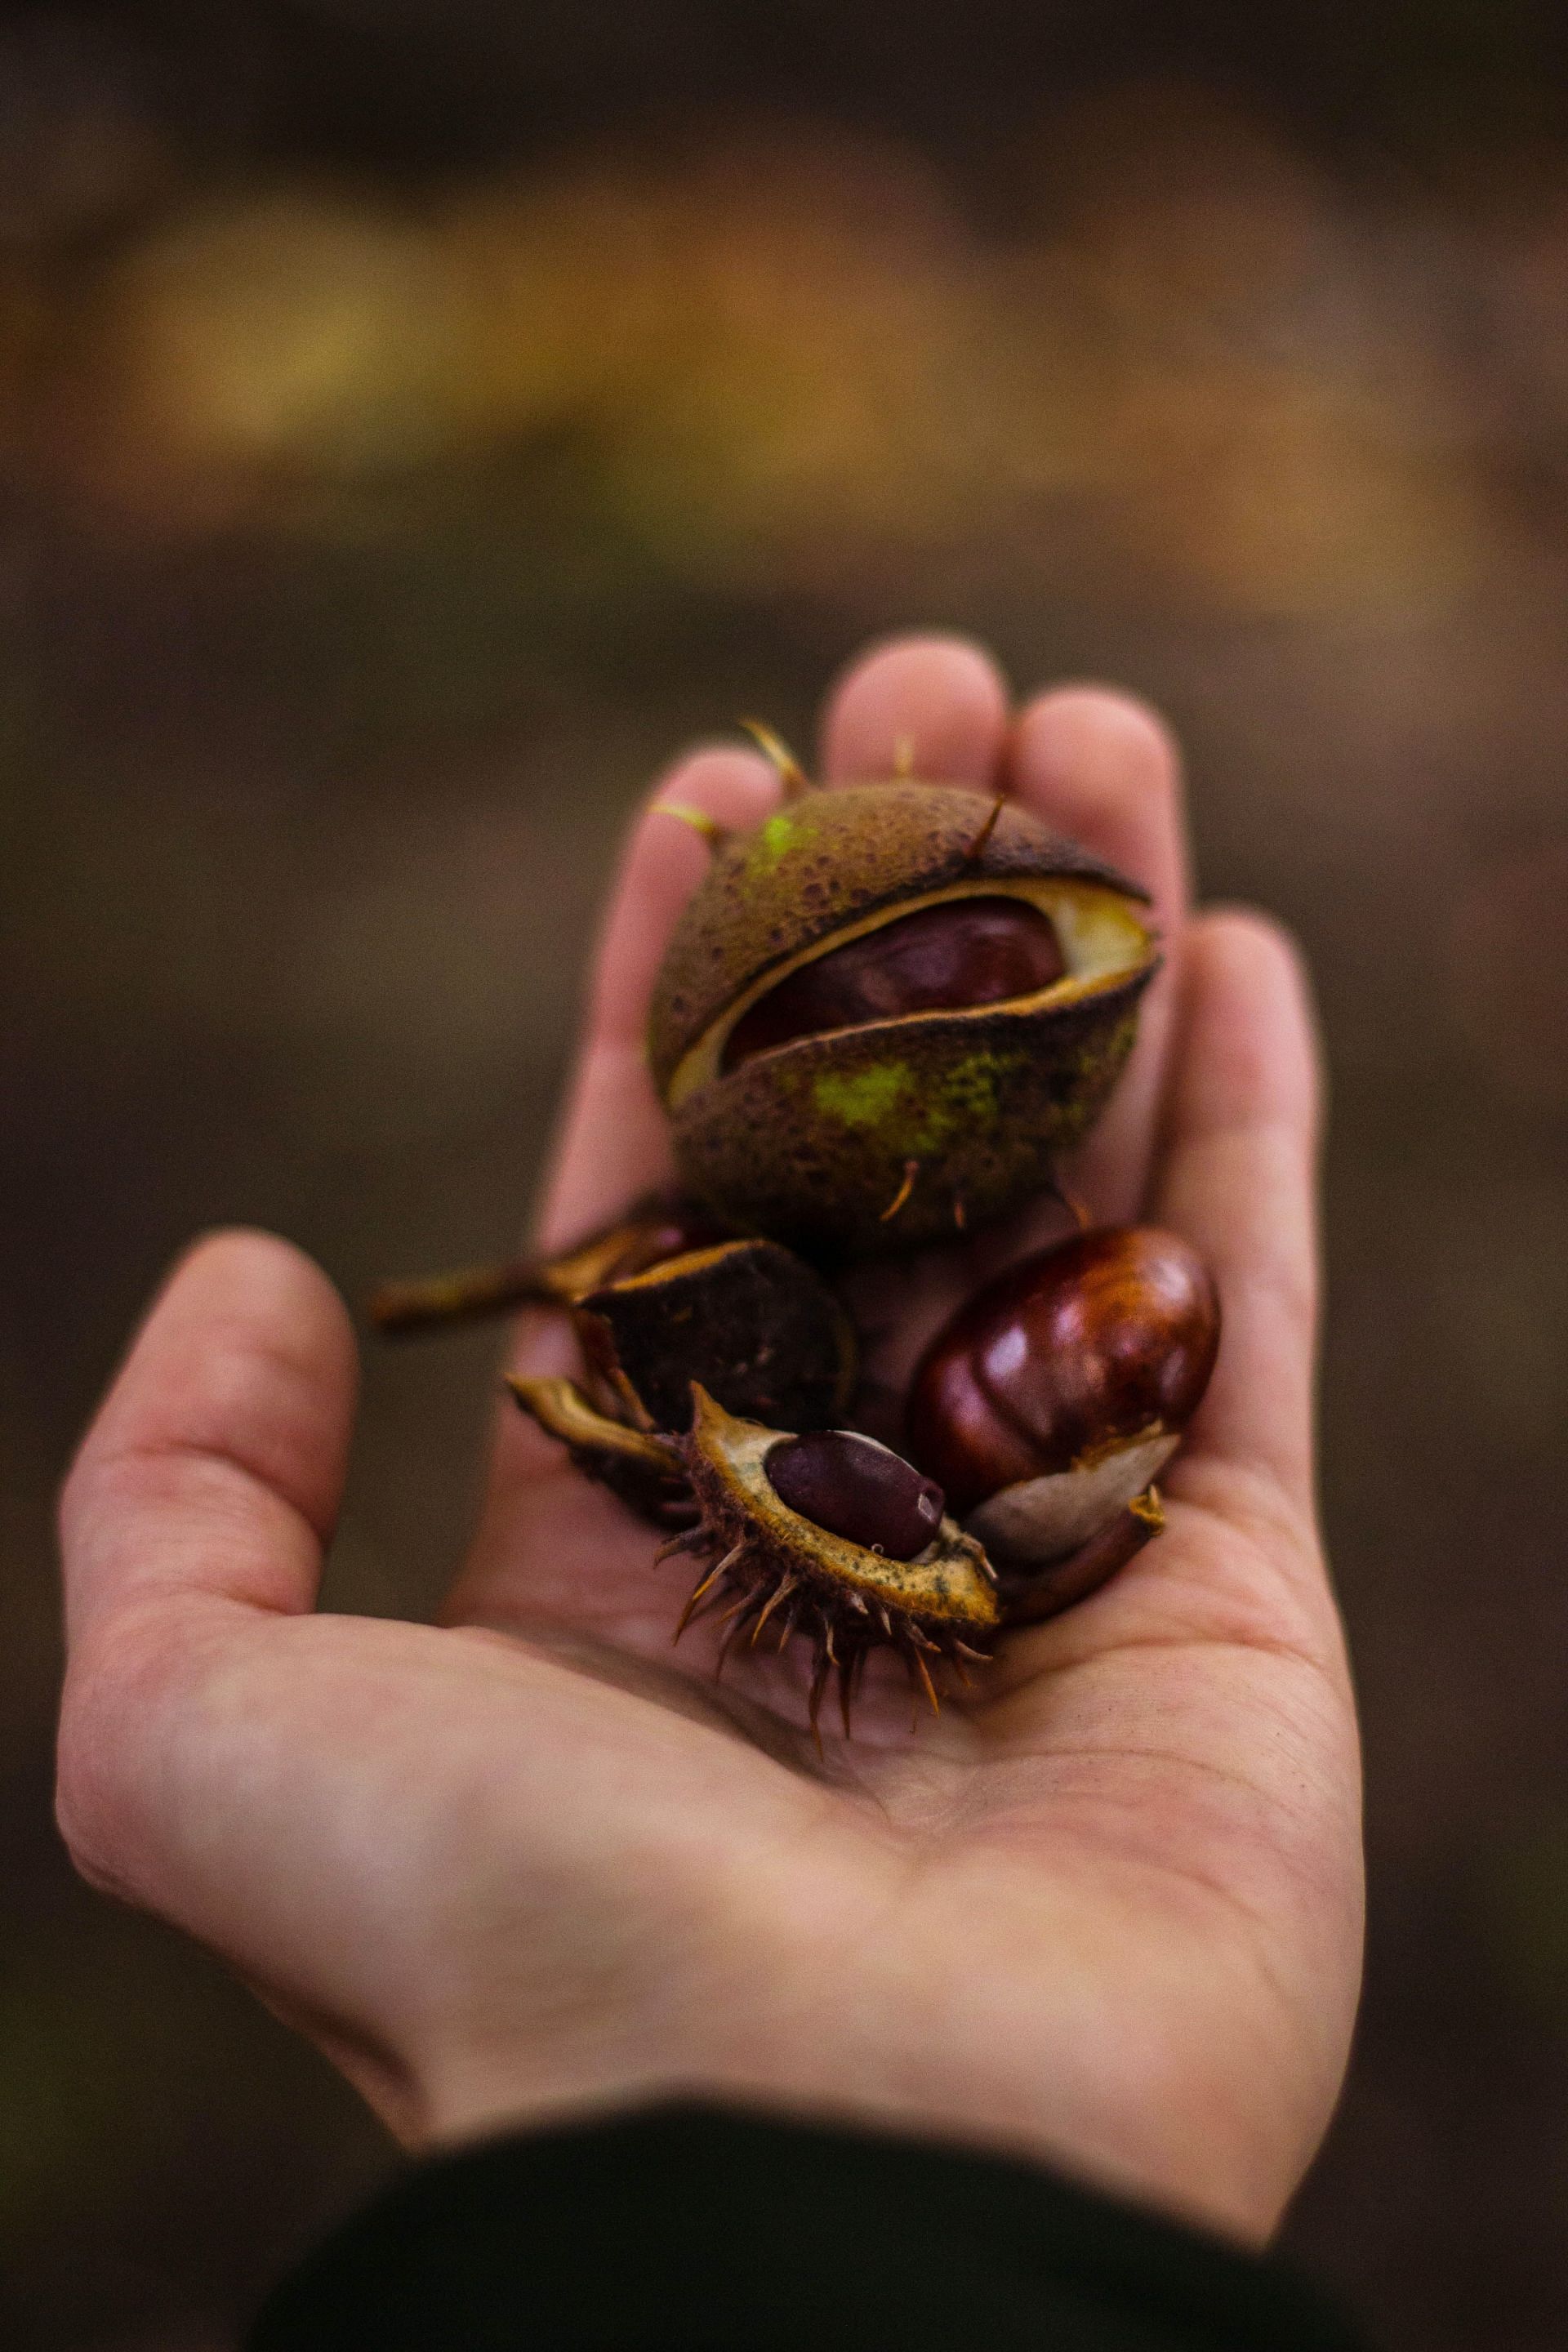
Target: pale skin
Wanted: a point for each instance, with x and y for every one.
(528, 1864)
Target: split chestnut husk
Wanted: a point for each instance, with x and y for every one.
(847, 1597)
(662, 1296)
(783, 1571)
(1031, 1595)
(882, 1014)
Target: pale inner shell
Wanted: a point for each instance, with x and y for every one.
(1041, 1518)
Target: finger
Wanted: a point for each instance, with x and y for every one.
(1103, 768)
(612, 1144)
(934, 706)
(215, 1465)
(1238, 1179)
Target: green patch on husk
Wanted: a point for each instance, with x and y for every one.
(782, 832)
(861, 1097)
(967, 1098)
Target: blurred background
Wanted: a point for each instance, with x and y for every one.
(419, 416)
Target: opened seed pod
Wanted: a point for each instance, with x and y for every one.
(836, 1538)
(882, 1013)
(828, 1535)
(1052, 1400)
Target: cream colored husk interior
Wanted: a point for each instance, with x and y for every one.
(1101, 935)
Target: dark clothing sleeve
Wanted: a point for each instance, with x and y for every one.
(684, 2229)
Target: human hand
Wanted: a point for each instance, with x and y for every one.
(531, 1861)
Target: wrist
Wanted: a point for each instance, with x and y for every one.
(1149, 2130)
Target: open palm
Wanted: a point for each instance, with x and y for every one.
(531, 1861)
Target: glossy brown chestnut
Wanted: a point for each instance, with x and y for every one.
(965, 951)
(1058, 1391)
(858, 1489)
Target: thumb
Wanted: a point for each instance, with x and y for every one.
(207, 1484)
(215, 1467)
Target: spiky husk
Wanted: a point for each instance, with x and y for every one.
(771, 1571)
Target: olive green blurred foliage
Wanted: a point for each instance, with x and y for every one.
(374, 527)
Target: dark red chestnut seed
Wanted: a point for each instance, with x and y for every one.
(962, 951)
(857, 1489)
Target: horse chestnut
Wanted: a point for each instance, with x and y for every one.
(882, 1013)
(831, 1536)
(1058, 1393)
(849, 1589)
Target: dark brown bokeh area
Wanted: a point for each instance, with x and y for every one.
(416, 423)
